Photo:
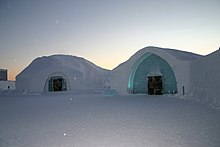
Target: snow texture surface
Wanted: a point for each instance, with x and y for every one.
(205, 79)
(74, 120)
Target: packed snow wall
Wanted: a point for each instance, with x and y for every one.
(205, 79)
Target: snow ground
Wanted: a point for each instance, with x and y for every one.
(92, 120)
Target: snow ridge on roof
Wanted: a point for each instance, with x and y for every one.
(61, 62)
(183, 55)
(178, 54)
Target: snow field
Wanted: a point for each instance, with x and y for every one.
(92, 120)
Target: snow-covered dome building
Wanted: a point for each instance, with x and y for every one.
(61, 73)
(154, 70)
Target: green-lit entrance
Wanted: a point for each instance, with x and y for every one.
(152, 75)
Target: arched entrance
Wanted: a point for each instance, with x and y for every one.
(152, 75)
(57, 82)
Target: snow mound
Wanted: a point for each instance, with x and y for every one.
(80, 74)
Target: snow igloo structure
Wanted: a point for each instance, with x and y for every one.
(154, 71)
(61, 73)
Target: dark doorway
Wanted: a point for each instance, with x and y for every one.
(57, 84)
(155, 85)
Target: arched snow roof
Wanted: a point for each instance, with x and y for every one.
(64, 62)
(179, 55)
(165, 52)
(182, 55)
